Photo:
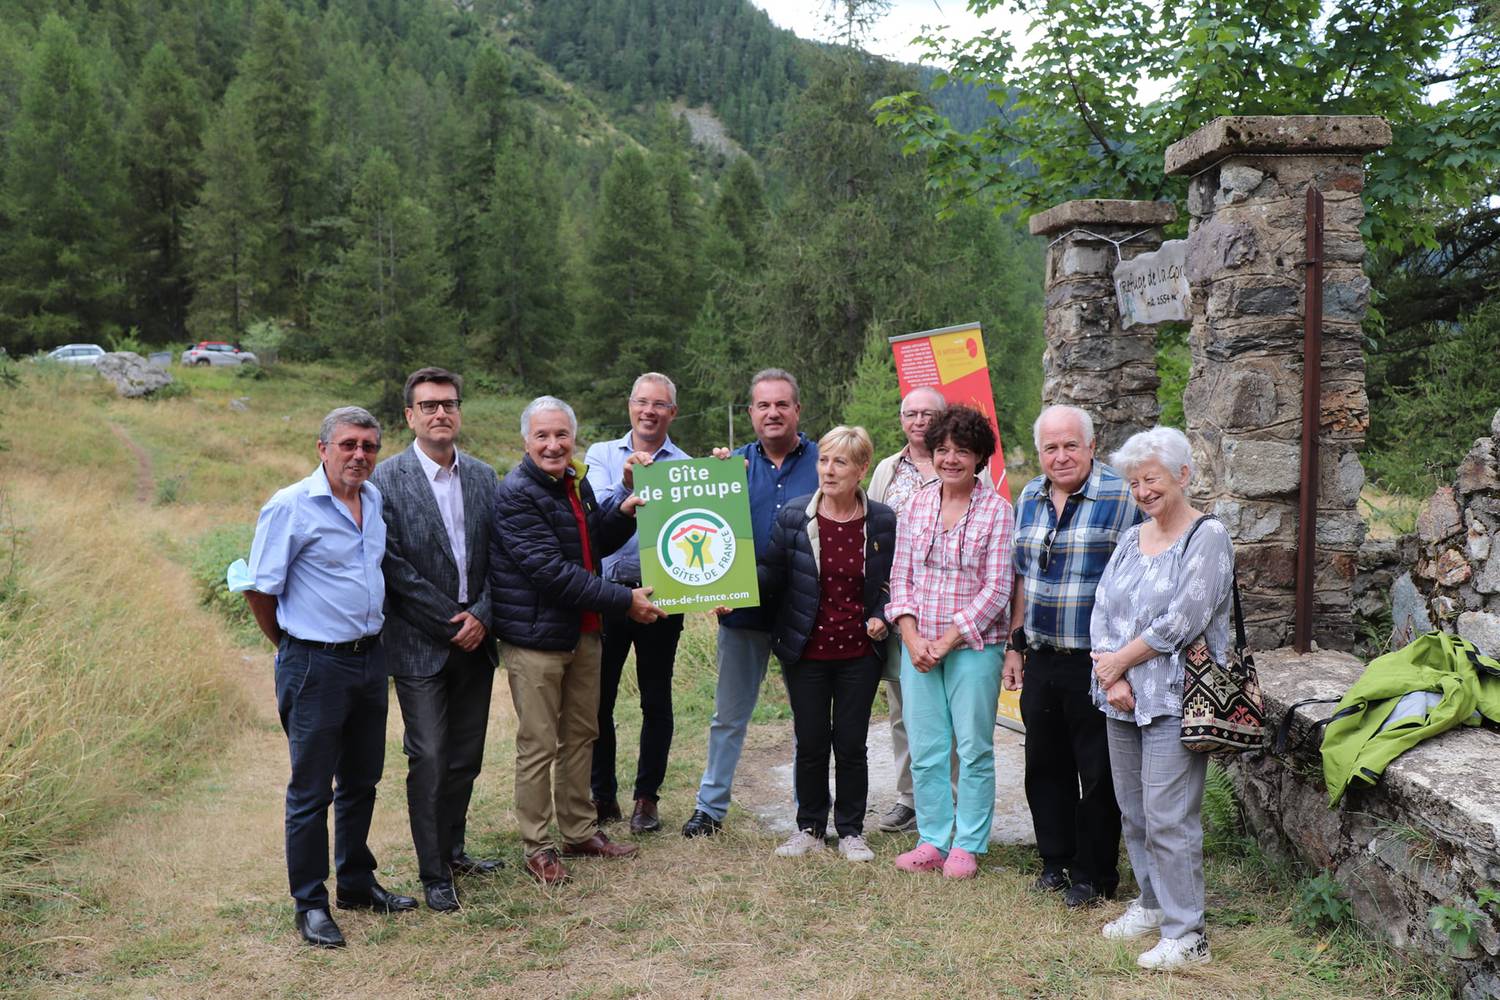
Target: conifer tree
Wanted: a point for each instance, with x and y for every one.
(383, 300)
(161, 152)
(63, 197)
(231, 230)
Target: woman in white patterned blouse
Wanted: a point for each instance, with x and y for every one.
(1165, 585)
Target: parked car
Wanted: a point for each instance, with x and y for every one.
(77, 354)
(217, 352)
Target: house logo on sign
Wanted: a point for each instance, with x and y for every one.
(696, 547)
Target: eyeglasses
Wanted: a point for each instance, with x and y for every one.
(653, 404)
(350, 447)
(939, 533)
(430, 406)
(1046, 555)
(918, 414)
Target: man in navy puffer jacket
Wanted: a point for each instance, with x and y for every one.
(547, 540)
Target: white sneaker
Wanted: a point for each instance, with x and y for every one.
(1136, 921)
(1175, 953)
(855, 849)
(800, 843)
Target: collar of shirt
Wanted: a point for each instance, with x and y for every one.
(318, 486)
(625, 447)
(1089, 490)
(431, 468)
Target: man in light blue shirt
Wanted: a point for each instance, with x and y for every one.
(318, 594)
(653, 406)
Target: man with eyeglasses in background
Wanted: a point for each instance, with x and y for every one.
(438, 503)
(653, 406)
(1068, 520)
(317, 592)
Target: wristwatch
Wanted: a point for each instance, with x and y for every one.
(1018, 639)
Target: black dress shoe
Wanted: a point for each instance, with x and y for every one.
(1085, 894)
(608, 811)
(701, 825)
(374, 898)
(441, 896)
(318, 929)
(1051, 880)
(465, 865)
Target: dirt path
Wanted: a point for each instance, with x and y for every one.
(145, 478)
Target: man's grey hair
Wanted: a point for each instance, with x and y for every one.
(777, 375)
(660, 380)
(1085, 422)
(546, 403)
(942, 401)
(350, 416)
(1166, 445)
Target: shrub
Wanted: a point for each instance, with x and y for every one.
(211, 557)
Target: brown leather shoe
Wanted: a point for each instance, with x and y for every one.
(644, 818)
(599, 846)
(546, 868)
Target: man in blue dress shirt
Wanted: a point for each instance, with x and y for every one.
(653, 406)
(781, 464)
(318, 594)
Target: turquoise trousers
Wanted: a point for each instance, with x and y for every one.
(953, 704)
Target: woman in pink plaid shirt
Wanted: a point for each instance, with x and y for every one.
(950, 596)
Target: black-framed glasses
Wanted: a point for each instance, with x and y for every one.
(431, 406)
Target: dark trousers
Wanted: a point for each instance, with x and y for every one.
(1068, 782)
(445, 716)
(831, 702)
(332, 708)
(655, 653)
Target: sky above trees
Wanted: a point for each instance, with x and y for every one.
(893, 36)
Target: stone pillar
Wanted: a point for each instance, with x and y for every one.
(1246, 247)
(1090, 362)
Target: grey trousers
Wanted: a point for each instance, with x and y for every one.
(1159, 785)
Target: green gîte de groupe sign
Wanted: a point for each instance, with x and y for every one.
(697, 547)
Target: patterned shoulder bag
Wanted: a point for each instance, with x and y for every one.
(1222, 709)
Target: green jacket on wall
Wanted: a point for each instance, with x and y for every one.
(1434, 684)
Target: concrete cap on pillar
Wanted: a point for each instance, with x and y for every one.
(1250, 134)
(1102, 212)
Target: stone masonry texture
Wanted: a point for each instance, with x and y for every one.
(1090, 361)
(1246, 247)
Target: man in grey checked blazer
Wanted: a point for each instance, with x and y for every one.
(437, 508)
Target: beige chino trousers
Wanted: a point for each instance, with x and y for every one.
(556, 696)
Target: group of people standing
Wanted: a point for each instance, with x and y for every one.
(426, 568)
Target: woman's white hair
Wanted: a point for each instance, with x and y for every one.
(1167, 445)
(546, 403)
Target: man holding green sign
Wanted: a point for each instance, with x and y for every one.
(693, 553)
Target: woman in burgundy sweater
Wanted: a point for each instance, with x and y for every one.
(824, 577)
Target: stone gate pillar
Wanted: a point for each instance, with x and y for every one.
(1246, 251)
(1090, 361)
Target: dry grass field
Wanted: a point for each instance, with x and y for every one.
(142, 771)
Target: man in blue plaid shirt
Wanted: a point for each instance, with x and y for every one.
(1067, 522)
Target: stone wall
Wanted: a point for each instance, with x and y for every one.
(1457, 569)
(1247, 248)
(1091, 361)
(1427, 835)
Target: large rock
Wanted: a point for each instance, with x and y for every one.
(1439, 517)
(132, 375)
(1409, 617)
(1482, 629)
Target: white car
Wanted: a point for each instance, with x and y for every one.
(77, 354)
(217, 352)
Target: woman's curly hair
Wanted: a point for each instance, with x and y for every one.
(967, 428)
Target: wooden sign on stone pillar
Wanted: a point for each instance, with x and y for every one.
(1091, 360)
(1246, 254)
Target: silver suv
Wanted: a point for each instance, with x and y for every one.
(77, 354)
(217, 352)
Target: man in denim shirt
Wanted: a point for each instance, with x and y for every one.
(653, 406)
(781, 464)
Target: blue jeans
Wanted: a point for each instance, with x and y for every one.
(953, 703)
(743, 656)
(332, 708)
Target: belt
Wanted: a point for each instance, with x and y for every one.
(353, 646)
(1042, 647)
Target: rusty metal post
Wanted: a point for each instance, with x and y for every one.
(1312, 421)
